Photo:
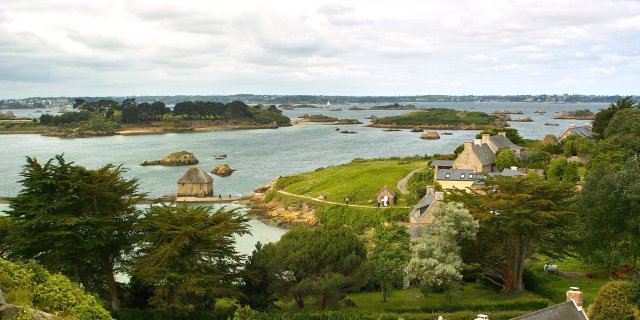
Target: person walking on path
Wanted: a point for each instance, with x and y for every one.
(346, 200)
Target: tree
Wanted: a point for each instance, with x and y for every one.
(609, 212)
(5, 230)
(506, 158)
(518, 217)
(613, 302)
(256, 281)
(188, 256)
(323, 262)
(76, 221)
(601, 121)
(435, 256)
(389, 257)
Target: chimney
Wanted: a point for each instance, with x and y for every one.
(514, 168)
(430, 189)
(574, 294)
(485, 138)
(571, 126)
(477, 142)
(468, 145)
(440, 195)
(503, 133)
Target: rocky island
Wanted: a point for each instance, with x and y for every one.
(222, 170)
(395, 106)
(585, 114)
(180, 158)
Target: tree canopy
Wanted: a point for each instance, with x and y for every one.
(389, 257)
(518, 217)
(76, 221)
(188, 256)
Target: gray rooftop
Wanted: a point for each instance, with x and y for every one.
(563, 311)
(504, 142)
(442, 163)
(584, 131)
(484, 153)
(426, 201)
(195, 175)
(458, 175)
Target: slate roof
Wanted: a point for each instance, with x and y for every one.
(195, 175)
(442, 163)
(583, 131)
(484, 153)
(456, 175)
(504, 142)
(563, 311)
(426, 201)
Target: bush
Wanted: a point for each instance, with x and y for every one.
(612, 302)
(531, 304)
(31, 285)
(359, 218)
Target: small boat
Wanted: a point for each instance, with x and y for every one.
(347, 132)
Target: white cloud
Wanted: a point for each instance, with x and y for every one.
(72, 47)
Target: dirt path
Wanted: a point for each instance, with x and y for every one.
(402, 184)
(325, 201)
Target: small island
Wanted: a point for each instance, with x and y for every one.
(348, 121)
(584, 114)
(505, 111)
(222, 170)
(523, 119)
(297, 106)
(356, 108)
(395, 106)
(431, 135)
(439, 118)
(180, 158)
(318, 118)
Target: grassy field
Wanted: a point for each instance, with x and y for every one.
(359, 180)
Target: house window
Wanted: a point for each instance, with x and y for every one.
(447, 176)
(462, 176)
(470, 176)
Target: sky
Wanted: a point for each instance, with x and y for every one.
(368, 47)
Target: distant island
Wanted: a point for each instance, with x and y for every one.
(309, 101)
(298, 106)
(318, 118)
(439, 118)
(107, 117)
(585, 114)
(394, 106)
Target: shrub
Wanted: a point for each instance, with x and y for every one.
(612, 302)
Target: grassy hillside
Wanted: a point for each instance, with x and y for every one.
(438, 117)
(359, 180)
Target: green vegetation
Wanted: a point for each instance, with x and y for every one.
(576, 114)
(360, 180)
(395, 106)
(389, 257)
(348, 121)
(506, 158)
(359, 218)
(511, 133)
(318, 118)
(612, 302)
(438, 118)
(30, 285)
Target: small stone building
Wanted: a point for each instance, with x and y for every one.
(195, 183)
(386, 197)
(422, 212)
(475, 157)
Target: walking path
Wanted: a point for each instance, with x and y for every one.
(402, 184)
(330, 202)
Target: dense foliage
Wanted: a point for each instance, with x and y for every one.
(31, 285)
(518, 217)
(613, 302)
(76, 221)
(389, 257)
(324, 263)
(188, 256)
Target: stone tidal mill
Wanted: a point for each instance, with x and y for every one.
(195, 183)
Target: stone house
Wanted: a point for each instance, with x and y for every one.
(386, 197)
(195, 182)
(570, 310)
(422, 213)
(500, 141)
(475, 157)
(584, 131)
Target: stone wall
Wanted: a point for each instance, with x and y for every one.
(195, 189)
(468, 159)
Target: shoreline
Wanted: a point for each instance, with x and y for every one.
(434, 127)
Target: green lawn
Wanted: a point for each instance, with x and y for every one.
(359, 180)
(412, 298)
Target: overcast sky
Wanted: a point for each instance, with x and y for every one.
(368, 47)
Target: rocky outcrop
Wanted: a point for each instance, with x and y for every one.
(182, 158)
(222, 170)
(348, 121)
(417, 129)
(431, 135)
(220, 157)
